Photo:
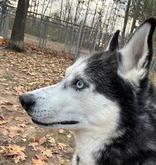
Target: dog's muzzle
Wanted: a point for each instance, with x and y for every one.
(27, 101)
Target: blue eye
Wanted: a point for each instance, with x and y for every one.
(79, 84)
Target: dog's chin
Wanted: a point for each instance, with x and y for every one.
(59, 124)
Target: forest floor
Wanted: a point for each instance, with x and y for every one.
(21, 141)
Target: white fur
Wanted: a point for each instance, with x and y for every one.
(134, 55)
(89, 142)
(97, 115)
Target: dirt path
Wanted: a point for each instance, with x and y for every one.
(21, 141)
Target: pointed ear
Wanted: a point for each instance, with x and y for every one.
(135, 57)
(113, 43)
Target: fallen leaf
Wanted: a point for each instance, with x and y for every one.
(3, 122)
(40, 140)
(36, 161)
(14, 131)
(52, 141)
(47, 153)
(20, 157)
(14, 151)
(61, 131)
(62, 145)
(34, 146)
(3, 102)
(2, 117)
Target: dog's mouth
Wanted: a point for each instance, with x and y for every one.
(56, 123)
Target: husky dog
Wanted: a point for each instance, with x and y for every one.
(108, 102)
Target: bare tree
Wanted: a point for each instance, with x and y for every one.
(4, 18)
(17, 36)
(74, 23)
(93, 20)
(95, 12)
(43, 30)
(135, 13)
(84, 23)
(61, 11)
(126, 20)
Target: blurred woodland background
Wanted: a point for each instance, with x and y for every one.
(74, 26)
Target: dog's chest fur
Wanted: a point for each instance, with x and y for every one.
(87, 146)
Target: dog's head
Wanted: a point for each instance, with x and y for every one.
(97, 88)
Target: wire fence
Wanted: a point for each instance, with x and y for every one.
(49, 30)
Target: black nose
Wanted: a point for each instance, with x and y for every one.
(27, 101)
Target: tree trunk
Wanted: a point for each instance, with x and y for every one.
(136, 14)
(17, 36)
(125, 20)
(133, 25)
(4, 19)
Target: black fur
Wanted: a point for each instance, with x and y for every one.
(77, 160)
(114, 42)
(137, 145)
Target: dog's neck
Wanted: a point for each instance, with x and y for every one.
(89, 145)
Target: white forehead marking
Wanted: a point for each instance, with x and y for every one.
(77, 68)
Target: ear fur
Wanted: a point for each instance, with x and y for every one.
(113, 43)
(135, 57)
